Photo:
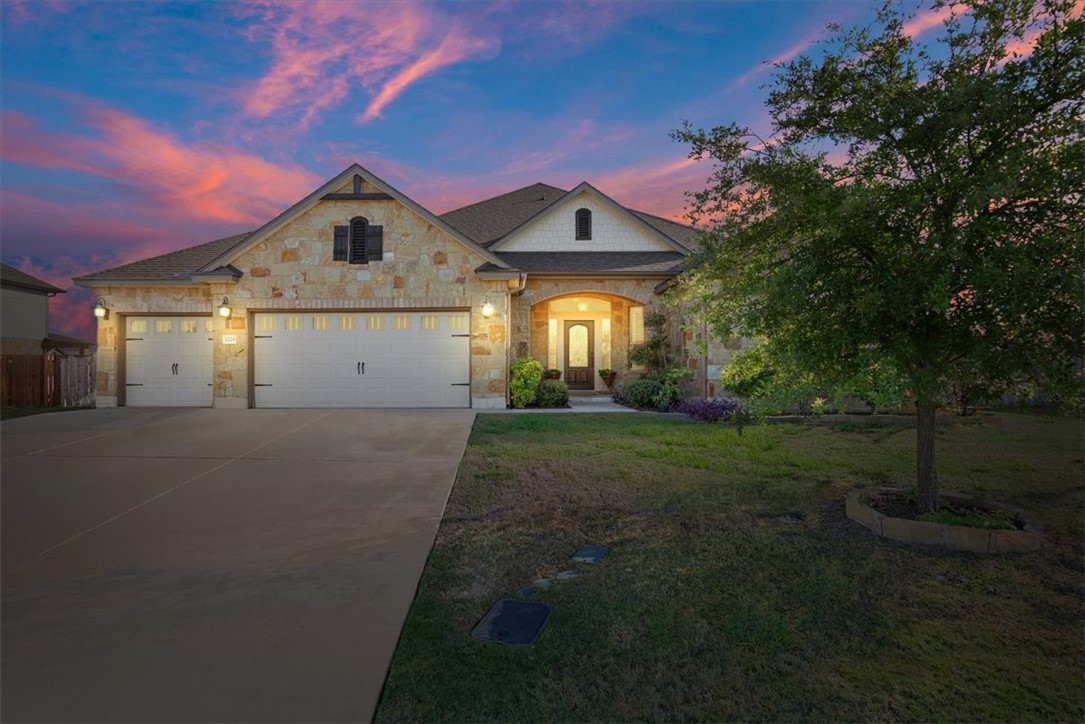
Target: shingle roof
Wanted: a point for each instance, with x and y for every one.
(175, 265)
(489, 220)
(592, 262)
(12, 277)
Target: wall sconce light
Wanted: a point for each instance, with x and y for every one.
(224, 308)
(487, 308)
(101, 311)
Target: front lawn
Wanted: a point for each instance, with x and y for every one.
(735, 587)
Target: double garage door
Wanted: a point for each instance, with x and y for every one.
(309, 359)
(342, 359)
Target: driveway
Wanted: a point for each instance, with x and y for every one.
(214, 565)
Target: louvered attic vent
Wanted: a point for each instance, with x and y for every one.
(583, 225)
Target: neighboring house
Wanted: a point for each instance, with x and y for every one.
(357, 296)
(24, 311)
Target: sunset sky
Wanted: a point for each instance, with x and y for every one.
(131, 129)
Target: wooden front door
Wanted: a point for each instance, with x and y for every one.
(580, 354)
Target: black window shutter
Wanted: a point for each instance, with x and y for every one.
(374, 243)
(342, 243)
(583, 225)
(359, 227)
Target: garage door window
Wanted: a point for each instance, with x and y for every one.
(268, 323)
(401, 322)
(429, 322)
(457, 322)
(346, 323)
(320, 323)
(190, 326)
(137, 326)
(375, 323)
(163, 326)
(293, 323)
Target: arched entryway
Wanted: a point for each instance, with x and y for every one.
(583, 333)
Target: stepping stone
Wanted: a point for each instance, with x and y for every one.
(590, 554)
(566, 575)
(542, 583)
(513, 622)
(529, 591)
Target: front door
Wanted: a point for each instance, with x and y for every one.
(580, 355)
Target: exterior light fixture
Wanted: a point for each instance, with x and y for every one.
(487, 308)
(582, 306)
(224, 308)
(100, 309)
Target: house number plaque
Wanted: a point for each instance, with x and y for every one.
(229, 339)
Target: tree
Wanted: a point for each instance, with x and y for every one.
(918, 206)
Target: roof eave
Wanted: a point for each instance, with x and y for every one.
(102, 282)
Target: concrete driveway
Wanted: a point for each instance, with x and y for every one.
(214, 565)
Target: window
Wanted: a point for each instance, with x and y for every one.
(268, 323)
(636, 325)
(457, 322)
(401, 322)
(293, 323)
(375, 323)
(163, 326)
(320, 323)
(583, 225)
(346, 323)
(190, 326)
(429, 322)
(358, 243)
(137, 326)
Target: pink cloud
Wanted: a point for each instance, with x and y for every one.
(932, 18)
(789, 54)
(657, 188)
(199, 181)
(322, 51)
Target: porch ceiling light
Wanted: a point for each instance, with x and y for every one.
(224, 308)
(101, 311)
(487, 308)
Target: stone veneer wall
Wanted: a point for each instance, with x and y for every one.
(530, 314)
(293, 269)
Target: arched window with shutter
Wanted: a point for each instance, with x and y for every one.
(583, 225)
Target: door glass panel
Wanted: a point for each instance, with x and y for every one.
(401, 322)
(375, 323)
(293, 323)
(346, 323)
(552, 342)
(578, 346)
(163, 326)
(269, 323)
(208, 325)
(190, 326)
(137, 326)
(429, 321)
(457, 322)
(320, 323)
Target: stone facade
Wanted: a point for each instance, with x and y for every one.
(292, 269)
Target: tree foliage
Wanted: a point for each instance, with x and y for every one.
(917, 206)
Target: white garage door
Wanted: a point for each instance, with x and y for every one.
(346, 359)
(168, 361)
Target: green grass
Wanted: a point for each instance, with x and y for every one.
(736, 588)
(8, 413)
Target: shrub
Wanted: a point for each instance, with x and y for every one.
(552, 393)
(523, 381)
(552, 374)
(674, 383)
(643, 393)
(712, 409)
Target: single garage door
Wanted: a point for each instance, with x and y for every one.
(168, 361)
(348, 359)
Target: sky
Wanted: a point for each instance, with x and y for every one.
(130, 129)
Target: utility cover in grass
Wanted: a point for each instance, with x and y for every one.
(513, 622)
(590, 554)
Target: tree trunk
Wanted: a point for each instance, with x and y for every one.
(926, 474)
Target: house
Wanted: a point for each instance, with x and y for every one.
(357, 296)
(24, 315)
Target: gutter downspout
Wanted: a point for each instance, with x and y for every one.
(509, 292)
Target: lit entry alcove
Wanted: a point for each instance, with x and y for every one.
(581, 334)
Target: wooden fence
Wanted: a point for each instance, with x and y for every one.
(47, 380)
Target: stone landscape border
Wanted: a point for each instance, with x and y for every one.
(954, 537)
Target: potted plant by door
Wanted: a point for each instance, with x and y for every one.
(552, 374)
(608, 377)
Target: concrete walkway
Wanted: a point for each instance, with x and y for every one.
(577, 403)
(214, 565)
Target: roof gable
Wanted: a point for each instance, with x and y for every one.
(337, 186)
(619, 229)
